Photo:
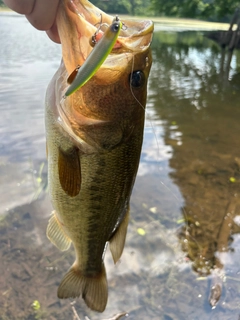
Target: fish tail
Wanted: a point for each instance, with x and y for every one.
(93, 289)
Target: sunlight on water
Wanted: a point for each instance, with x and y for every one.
(22, 89)
(185, 205)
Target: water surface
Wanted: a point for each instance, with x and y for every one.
(186, 197)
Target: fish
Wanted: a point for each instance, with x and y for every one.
(96, 57)
(93, 144)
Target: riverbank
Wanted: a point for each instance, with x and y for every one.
(193, 24)
(5, 9)
(183, 24)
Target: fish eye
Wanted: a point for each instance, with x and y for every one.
(115, 26)
(137, 79)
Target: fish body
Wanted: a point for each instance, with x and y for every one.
(94, 140)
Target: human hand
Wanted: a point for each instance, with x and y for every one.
(40, 13)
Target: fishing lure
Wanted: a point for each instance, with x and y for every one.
(98, 55)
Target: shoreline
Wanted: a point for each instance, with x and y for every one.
(182, 22)
(166, 21)
(5, 9)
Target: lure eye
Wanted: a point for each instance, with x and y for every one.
(115, 26)
(137, 79)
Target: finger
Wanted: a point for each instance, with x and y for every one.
(20, 6)
(53, 33)
(43, 13)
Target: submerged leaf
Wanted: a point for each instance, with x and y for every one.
(141, 232)
(36, 305)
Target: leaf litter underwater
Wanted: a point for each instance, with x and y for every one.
(183, 236)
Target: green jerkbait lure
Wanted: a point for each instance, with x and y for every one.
(96, 58)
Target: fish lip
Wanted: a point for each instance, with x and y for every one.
(136, 35)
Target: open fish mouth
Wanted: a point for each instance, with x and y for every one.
(80, 21)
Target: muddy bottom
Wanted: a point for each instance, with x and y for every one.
(31, 269)
(183, 244)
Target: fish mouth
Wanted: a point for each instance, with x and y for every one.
(78, 21)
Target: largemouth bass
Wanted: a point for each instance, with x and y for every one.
(94, 138)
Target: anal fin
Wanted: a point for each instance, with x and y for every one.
(56, 234)
(93, 289)
(117, 241)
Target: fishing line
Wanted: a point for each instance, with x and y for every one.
(158, 145)
(145, 110)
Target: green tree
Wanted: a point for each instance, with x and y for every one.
(163, 7)
(221, 8)
(133, 7)
(211, 9)
(121, 6)
(181, 8)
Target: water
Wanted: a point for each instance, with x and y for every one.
(186, 196)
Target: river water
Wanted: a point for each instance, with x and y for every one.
(183, 236)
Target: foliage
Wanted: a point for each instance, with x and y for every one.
(221, 8)
(133, 7)
(210, 9)
(207, 9)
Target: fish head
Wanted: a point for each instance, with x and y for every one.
(115, 97)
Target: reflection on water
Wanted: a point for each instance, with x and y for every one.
(201, 112)
(27, 62)
(186, 197)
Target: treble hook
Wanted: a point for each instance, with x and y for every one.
(94, 40)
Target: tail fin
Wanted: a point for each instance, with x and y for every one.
(94, 290)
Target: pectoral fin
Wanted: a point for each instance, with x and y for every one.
(118, 240)
(73, 75)
(69, 170)
(56, 234)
